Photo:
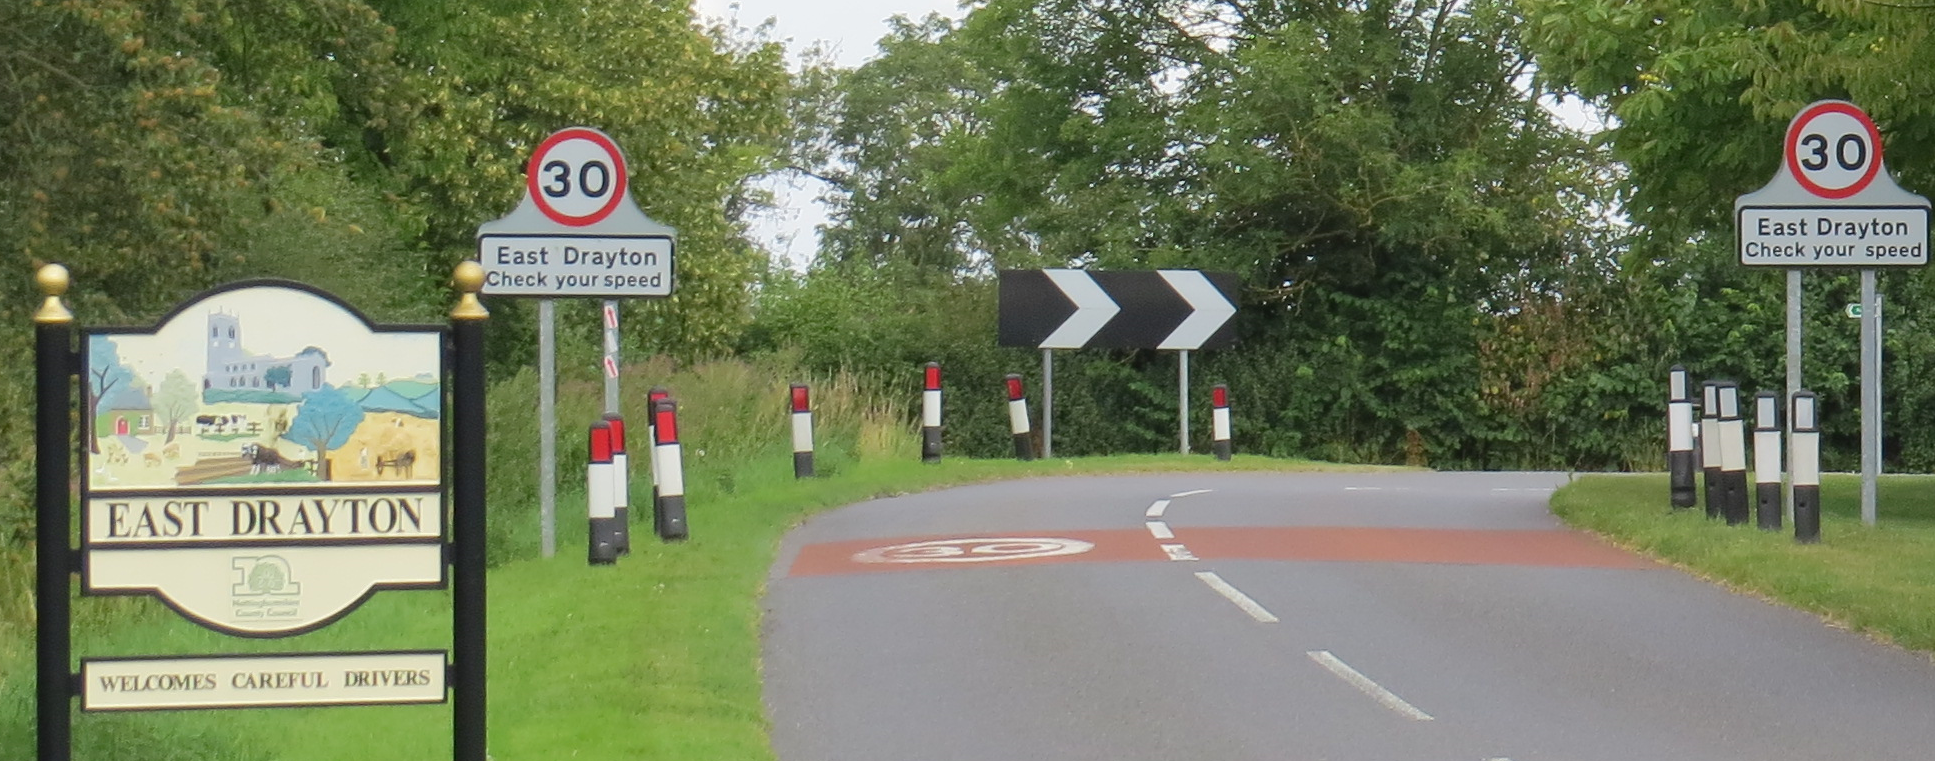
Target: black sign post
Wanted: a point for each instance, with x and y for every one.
(183, 483)
(467, 640)
(1180, 310)
(54, 369)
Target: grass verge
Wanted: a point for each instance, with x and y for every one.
(1878, 580)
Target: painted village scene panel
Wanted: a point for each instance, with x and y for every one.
(263, 385)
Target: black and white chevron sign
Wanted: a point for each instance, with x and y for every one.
(1079, 309)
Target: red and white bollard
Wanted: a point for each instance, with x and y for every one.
(621, 484)
(1018, 419)
(602, 545)
(930, 415)
(651, 450)
(1219, 419)
(802, 432)
(671, 470)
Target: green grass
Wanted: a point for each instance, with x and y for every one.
(1878, 580)
(656, 657)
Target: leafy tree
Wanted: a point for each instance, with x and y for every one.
(324, 421)
(1377, 173)
(177, 402)
(1703, 91)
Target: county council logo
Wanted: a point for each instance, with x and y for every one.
(264, 587)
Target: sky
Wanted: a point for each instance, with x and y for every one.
(850, 28)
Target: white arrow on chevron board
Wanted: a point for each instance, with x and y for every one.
(1212, 309)
(1093, 309)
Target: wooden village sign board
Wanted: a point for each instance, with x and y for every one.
(262, 460)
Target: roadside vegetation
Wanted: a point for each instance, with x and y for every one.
(1436, 271)
(1878, 580)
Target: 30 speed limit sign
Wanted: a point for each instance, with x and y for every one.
(576, 176)
(1833, 149)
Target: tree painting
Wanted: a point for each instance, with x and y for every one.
(177, 402)
(104, 373)
(276, 376)
(324, 422)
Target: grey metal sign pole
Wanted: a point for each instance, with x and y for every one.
(1182, 397)
(1047, 403)
(1870, 394)
(611, 357)
(548, 426)
(1793, 380)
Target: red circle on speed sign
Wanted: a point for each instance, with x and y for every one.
(576, 176)
(1833, 149)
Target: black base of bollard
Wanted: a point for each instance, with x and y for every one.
(930, 444)
(1807, 514)
(1736, 506)
(658, 519)
(602, 546)
(1714, 492)
(1679, 466)
(1024, 448)
(802, 464)
(1223, 450)
(1767, 506)
(671, 512)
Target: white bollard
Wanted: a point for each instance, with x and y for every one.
(601, 546)
(1679, 439)
(930, 415)
(671, 470)
(1219, 420)
(802, 432)
(621, 484)
(1733, 454)
(1767, 468)
(1018, 419)
(1805, 447)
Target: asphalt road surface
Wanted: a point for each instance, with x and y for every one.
(1289, 617)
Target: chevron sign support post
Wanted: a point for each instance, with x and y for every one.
(1179, 310)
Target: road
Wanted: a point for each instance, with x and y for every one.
(1328, 617)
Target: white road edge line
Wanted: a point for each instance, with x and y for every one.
(1365, 685)
(1190, 493)
(1177, 552)
(1236, 596)
(1161, 530)
(1155, 510)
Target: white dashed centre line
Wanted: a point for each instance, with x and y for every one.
(1160, 530)
(1368, 687)
(1155, 510)
(1177, 552)
(1236, 596)
(1190, 493)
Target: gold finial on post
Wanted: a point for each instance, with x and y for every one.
(53, 282)
(469, 278)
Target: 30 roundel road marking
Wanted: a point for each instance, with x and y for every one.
(576, 176)
(1833, 149)
(974, 550)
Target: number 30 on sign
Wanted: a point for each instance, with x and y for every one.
(1833, 150)
(576, 177)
